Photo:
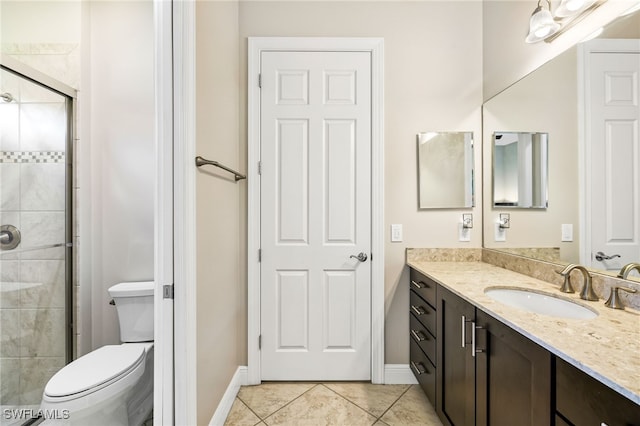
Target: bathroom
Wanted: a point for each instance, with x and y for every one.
(440, 65)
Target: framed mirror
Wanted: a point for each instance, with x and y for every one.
(445, 170)
(520, 170)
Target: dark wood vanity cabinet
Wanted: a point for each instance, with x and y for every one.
(581, 400)
(477, 371)
(488, 374)
(422, 332)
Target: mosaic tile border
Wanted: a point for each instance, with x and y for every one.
(32, 156)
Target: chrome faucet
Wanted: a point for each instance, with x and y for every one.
(624, 272)
(587, 289)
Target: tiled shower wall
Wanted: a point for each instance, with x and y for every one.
(32, 198)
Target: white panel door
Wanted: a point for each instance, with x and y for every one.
(315, 214)
(615, 153)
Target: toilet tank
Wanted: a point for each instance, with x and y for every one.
(134, 302)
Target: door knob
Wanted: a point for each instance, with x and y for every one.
(362, 257)
(600, 256)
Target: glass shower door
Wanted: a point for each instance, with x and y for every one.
(35, 236)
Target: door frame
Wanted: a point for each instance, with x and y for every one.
(375, 46)
(584, 131)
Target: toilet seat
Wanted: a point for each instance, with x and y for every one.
(95, 370)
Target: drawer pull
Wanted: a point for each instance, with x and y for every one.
(419, 310)
(419, 284)
(418, 368)
(418, 335)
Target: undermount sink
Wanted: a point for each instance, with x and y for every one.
(540, 303)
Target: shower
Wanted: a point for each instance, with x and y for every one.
(35, 237)
(7, 97)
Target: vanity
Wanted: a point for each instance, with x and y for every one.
(484, 362)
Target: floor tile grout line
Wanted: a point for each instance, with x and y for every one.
(395, 402)
(349, 401)
(364, 409)
(290, 402)
(249, 408)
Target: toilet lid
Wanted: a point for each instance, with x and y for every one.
(105, 364)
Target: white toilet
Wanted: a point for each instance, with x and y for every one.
(112, 385)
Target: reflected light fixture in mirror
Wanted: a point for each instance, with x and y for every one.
(569, 8)
(541, 24)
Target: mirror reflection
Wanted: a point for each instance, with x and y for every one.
(445, 170)
(520, 169)
(560, 100)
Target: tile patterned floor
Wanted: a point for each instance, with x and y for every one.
(340, 403)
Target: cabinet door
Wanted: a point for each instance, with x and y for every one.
(513, 377)
(584, 401)
(455, 377)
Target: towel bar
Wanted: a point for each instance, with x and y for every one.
(203, 162)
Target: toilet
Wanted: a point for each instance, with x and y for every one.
(112, 385)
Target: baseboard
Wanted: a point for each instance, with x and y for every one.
(221, 413)
(398, 374)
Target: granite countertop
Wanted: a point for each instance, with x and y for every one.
(606, 347)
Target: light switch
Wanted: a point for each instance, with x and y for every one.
(396, 233)
(567, 232)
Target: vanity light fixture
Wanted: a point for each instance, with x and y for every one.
(541, 24)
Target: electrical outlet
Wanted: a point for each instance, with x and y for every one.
(567, 232)
(396, 233)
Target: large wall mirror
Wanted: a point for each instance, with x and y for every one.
(445, 170)
(557, 99)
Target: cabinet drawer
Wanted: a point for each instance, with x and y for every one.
(423, 338)
(423, 311)
(424, 371)
(583, 400)
(424, 286)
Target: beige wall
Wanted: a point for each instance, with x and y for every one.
(221, 289)
(117, 154)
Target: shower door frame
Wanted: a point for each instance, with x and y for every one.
(70, 94)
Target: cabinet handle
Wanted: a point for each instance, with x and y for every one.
(474, 350)
(419, 310)
(418, 284)
(418, 335)
(417, 369)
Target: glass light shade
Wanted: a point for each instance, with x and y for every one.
(541, 25)
(569, 8)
